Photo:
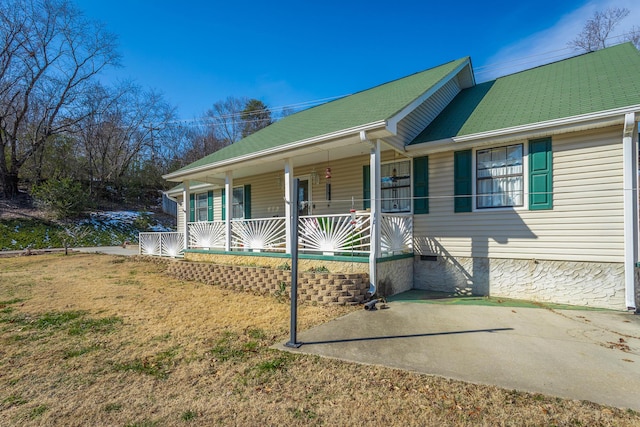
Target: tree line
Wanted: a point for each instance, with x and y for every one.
(59, 122)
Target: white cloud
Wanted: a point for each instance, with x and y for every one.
(551, 44)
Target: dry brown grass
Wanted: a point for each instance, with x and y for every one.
(101, 340)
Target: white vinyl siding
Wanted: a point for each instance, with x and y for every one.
(585, 224)
(180, 219)
(267, 194)
(346, 184)
(410, 126)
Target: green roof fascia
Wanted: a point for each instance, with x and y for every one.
(598, 81)
(369, 106)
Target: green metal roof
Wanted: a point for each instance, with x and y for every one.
(597, 81)
(362, 108)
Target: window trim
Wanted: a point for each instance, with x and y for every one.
(233, 205)
(200, 201)
(525, 178)
(410, 186)
(200, 206)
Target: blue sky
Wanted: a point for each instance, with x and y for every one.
(288, 52)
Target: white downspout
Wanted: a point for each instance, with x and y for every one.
(374, 164)
(289, 200)
(186, 208)
(228, 189)
(630, 197)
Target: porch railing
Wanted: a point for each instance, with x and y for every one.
(259, 234)
(341, 234)
(207, 235)
(170, 244)
(335, 234)
(396, 234)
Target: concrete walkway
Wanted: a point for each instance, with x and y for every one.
(130, 250)
(575, 354)
(111, 250)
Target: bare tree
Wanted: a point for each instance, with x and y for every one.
(121, 127)
(50, 55)
(227, 118)
(634, 36)
(201, 141)
(598, 29)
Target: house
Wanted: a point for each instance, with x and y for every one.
(521, 187)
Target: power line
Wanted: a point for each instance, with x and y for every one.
(548, 57)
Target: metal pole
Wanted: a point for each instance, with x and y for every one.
(293, 341)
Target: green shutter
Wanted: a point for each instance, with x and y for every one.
(421, 185)
(192, 207)
(366, 187)
(540, 174)
(247, 201)
(224, 206)
(463, 180)
(210, 205)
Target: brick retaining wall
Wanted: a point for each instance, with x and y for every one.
(321, 288)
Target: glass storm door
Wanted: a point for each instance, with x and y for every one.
(304, 198)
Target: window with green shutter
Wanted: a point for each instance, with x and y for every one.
(210, 205)
(247, 201)
(240, 203)
(421, 185)
(201, 206)
(224, 204)
(192, 207)
(540, 174)
(462, 182)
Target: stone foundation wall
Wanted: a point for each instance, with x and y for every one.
(578, 283)
(394, 276)
(320, 288)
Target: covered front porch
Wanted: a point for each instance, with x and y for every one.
(354, 205)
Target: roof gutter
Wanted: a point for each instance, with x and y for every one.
(630, 205)
(607, 117)
(355, 131)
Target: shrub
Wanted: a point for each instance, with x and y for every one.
(64, 198)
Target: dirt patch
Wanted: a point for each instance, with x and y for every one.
(103, 340)
(21, 207)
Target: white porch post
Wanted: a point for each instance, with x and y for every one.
(186, 207)
(376, 207)
(630, 171)
(228, 190)
(289, 201)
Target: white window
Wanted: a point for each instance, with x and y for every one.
(499, 177)
(396, 186)
(238, 203)
(202, 207)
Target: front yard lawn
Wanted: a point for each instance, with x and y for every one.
(101, 340)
